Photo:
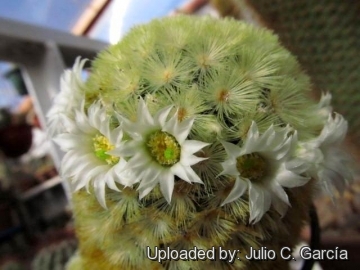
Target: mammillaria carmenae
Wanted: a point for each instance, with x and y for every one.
(191, 132)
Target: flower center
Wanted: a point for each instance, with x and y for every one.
(252, 166)
(101, 146)
(164, 148)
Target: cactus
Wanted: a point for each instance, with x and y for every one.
(192, 132)
(54, 257)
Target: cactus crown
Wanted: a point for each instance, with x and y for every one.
(224, 73)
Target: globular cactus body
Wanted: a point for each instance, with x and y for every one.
(190, 132)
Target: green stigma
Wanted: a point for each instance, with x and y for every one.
(252, 166)
(101, 146)
(169, 153)
(164, 148)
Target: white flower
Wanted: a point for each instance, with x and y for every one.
(263, 165)
(159, 150)
(67, 100)
(87, 160)
(329, 164)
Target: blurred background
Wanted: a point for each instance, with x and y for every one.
(40, 38)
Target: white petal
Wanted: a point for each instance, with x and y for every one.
(109, 179)
(289, 179)
(334, 130)
(143, 114)
(167, 185)
(82, 123)
(280, 193)
(83, 165)
(68, 124)
(58, 124)
(192, 146)
(150, 176)
(116, 136)
(253, 133)
(84, 161)
(333, 178)
(68, 161)
(229, 167)
(139, 161)
(68, 141)
(126, 123)
(231, 149)
(161, 115)
(182, 129)
(237, 191)
(180, 171)
(171, 125)
(77, 185)
(105, 129)
(256, 206)
(268, 137)
(145, 191)
(119, 168)
(279, 205)
(310, 153)
(194, 178)
(260, 202)
(280, 138)
(96, 171)
(99, 188)
(337, 160)
(94, 115)
(297, 166)
(325, 101)
(284, 150)
(148, 182)
(192, 160)
(127, 149)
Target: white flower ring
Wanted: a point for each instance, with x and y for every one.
(264, 165)
(158, 150)
(87, 159)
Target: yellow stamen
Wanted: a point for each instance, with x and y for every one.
(164, 148)
(252, 166)
(101, 146)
